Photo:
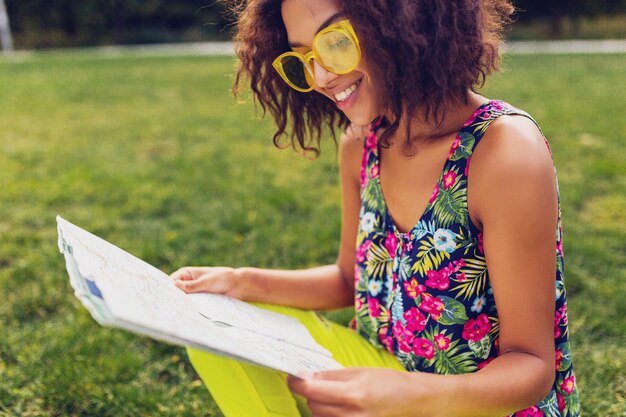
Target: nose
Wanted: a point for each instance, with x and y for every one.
(322, 76)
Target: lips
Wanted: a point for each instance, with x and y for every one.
(343, 95)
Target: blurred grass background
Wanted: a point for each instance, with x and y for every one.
(153, 155)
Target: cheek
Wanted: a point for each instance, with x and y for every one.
(371, 95)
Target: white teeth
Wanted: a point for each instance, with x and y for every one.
(342, 95)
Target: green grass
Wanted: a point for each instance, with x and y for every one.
(154, 155)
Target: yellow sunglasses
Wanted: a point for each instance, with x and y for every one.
(335, 48)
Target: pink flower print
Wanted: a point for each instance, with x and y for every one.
(563, 311)
(533, 411)
(370, 142)
(476, 329)
(388, 343)
(358, 303)
(415, 320)
(373, 306)
(363, 175)
(403, 337)
(352, 325)
(362, 250)
(459, 264)
(397, 329)
(461, 277)
(433, 196)
(497, 105)
(391, 243)
(484, 363)
(404, 346)
(438, 279)
(449, 179)
(443, 342)
(560, 401)
(432, 305)
(559, 248)
(413, 289)
(423, 347)
(568, 384)
(557, 328)
(558, 356)
(481, 248)
(455, 146)
(467, 166)
(374, 171)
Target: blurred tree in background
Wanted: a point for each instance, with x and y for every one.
(556, 12)
(54, 23)
(51, 23)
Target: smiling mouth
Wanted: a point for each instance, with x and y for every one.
(343, 95)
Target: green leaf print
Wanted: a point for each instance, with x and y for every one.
(452, 363)
(404, 270)
(453, 312)
(550, 406)
(367, 325)
(449, 361)
(481, 127)
(379, 262)
(450, 205)
(428, 257)
(572, 403)
(465, 147)
(495, 326)
(463, 241)
(361, 285)
(372, 196)
(475, 271)
(566, 359)
(481, 348)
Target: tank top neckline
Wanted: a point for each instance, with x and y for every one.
(440, 179)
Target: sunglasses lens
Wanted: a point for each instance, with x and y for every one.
(337, 51)
(296, 72)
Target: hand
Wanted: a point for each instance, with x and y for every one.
(366, 392)
(220, 280)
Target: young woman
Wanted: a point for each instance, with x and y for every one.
(455, 270)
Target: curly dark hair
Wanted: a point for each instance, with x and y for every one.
(443, 48)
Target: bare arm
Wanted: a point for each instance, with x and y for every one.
(516, 202)
(321, 288)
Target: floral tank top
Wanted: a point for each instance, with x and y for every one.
(425, 295)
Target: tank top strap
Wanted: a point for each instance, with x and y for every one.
(477, 125)
(369, 161)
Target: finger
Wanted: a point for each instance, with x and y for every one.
(185, 273)
(327, 392)
(192, 285)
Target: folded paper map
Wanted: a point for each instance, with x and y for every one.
(120, 290)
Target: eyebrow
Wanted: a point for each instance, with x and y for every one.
(326, 23)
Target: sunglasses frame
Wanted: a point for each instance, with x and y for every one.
(343, 26)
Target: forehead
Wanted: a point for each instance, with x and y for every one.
(303, 18)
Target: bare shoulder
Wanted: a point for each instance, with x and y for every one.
(511, 146)
(512, 161)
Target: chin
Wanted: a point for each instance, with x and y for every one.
(361, 118)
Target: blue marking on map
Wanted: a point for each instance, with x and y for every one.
(93, 288)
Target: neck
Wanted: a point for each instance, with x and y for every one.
(423, 130)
